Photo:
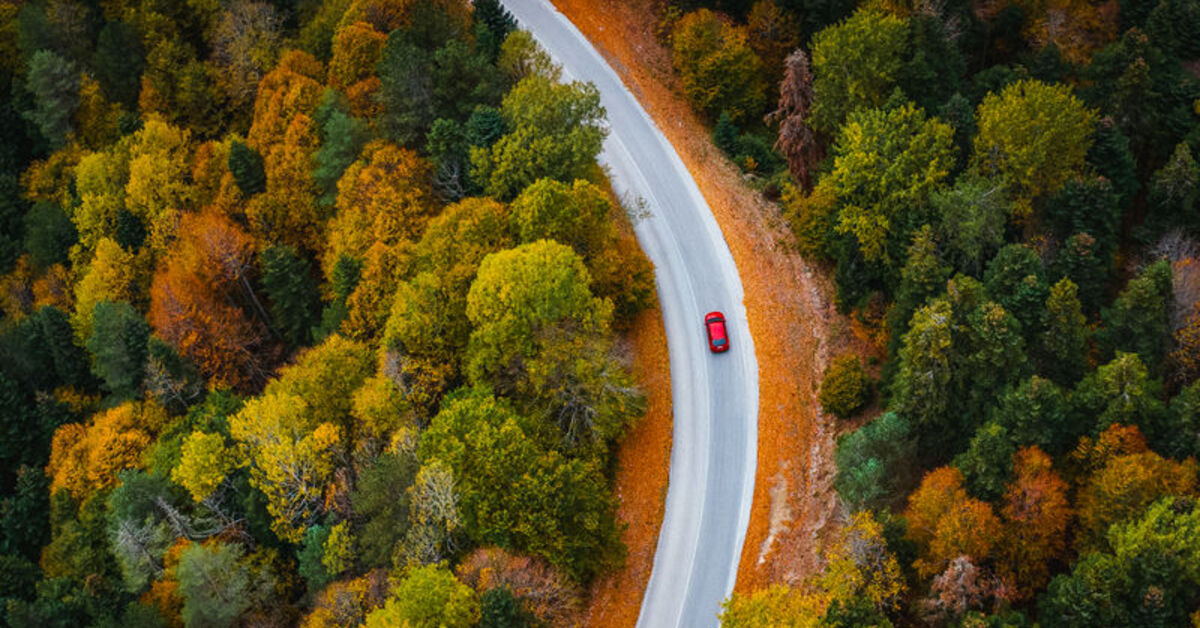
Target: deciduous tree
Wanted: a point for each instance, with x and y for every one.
(719, 70)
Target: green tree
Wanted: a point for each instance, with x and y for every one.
(875, 463)
(288, 283)
(1139, 319)
(969, 222)
(857, 64)
(1121, 392)
(118, 62)
(342, 139)
(725, 134)
(215, 584)
(49, 234)
(554, 131)
(1035, 136)
(1037, 412)
(1084, 261)
(1148, 578)
(1063, 350)
(1174, 195)
(493, 23)
(517, 297)
(987, 463)
(308, 558)
(518, 494)
(247, 167)
(118, 348)
(139, 532)
(428, 597)
(886, 164)
(463, 78)
(381, 499)
(1016, 280)
(405, 90)
(53, 83)
(718, 69)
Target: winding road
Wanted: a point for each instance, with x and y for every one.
(715, 397)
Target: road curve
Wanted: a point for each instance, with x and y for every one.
(715, 397)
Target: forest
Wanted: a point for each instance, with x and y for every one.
(1006, 196)
(311, 313)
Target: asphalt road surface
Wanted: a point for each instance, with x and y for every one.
(715, 396)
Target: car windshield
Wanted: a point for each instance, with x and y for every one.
(720, 342)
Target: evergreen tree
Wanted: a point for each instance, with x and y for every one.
(118, 348)
(54, 84)
(288, 283)
(247, 167)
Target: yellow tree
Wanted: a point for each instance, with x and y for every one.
(293, 87)
(292, 459)
(100, 183)
(946, 523)
(109, 277)
(386, 196)
(204, 463)
(1123, 488)
(159, 186)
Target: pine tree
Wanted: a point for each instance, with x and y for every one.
(247, 167)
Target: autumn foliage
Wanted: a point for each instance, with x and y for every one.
(203, 302)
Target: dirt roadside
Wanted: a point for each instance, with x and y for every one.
(792, 318)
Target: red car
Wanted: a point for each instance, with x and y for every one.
(714, 324)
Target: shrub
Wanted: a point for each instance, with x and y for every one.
(845, 386)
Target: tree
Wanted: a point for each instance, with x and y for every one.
(1122, 489)
(516, 493)
(798, 142)
(1174, 194)
(292, 292)
(357, 48)
(292, 459)
(204, 464)
(464, 78)
(287, 211)
(521, 57)
(247, 167)
(1063, 350)
(1084, 261)
(159, 184)
(874, 463)
(886, 164)
(85, 458)
(203, 303)
(385, 197)
(773, 34)
(962, 587)
(856, 64)
(1037, 412)
(342, 139)
(538, 588)
(1036, 515)
(435, 518)
(118, 347)
(405, 90)
(215, 583)
(776, 605)
(428, 597)
(1148, 578)
(719, 70)
(100, 180)
(1035, 136)
(969, 222)
(987, 462)
(54, 84)
(1139, 318)
(1015, 279)
(946, 523)
(110, 277)
(381, 499)
(845, 386)
(49, 234)
(860, 566)
(325, 377)
(554, 131)
(138, 530)
(517, 297)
